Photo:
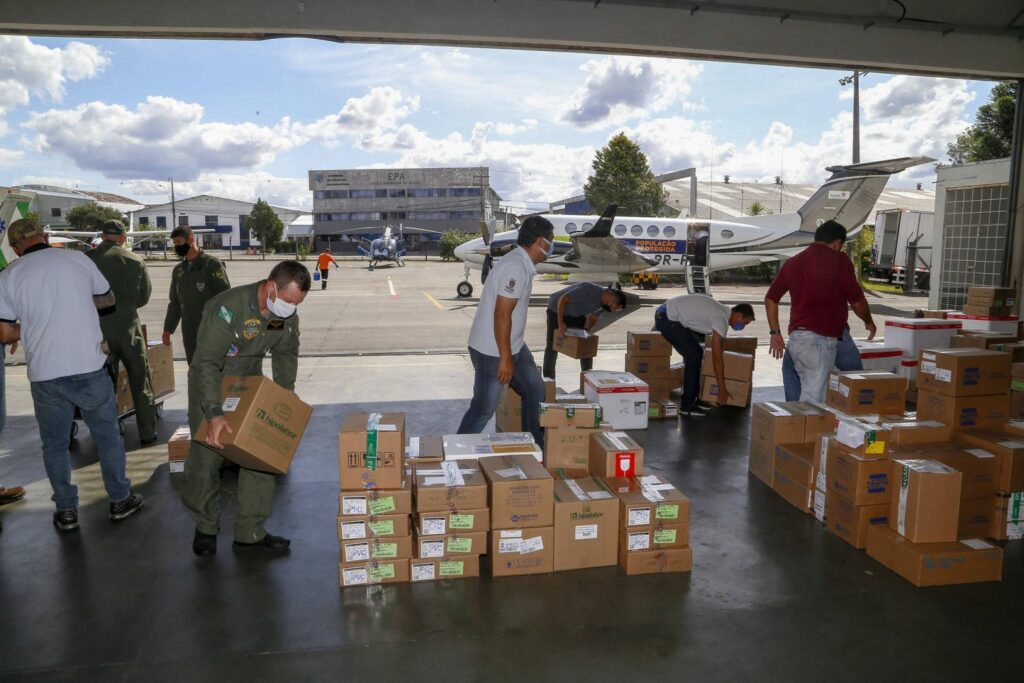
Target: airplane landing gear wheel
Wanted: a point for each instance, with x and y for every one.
(464, 290)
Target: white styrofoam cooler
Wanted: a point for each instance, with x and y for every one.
(624, 398)
(913, 334)
(1006, 324)
(879, 356)
(908, 369)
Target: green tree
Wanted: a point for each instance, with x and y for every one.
(265, 224)
(91, 216)
(451, 239)
(756, 209)
(991, 136)
(621, 175)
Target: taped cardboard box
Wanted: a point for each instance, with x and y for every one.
(916, 432)
(464, 447)
(123, 393)
(851, 522)
(368, 549)
(449, 486)
(656, 561)
(508, 416)
(656, 537)
(648, 500)
(575, 343)
(371, 450)
(992, 296)
(1009, 452)
(977, 516)
(161, 368)
(463, 567)
(935, 564)
(979, 469)
(860, 437)
(964, 412)
(1008, 517)
(865, 481)
(794, 492)
(558, 415)
(177, 449)
(568, 448)
(615, 454)
(660, 389)
(586, 524)
(738, 343)
(377, 501)
(450, 545)
(520, 491)
(522, 551)
(796, 461)
(739, 392)
(372, 526)
(425, 449)
(443, 522)
(772, 424)
(647, 344)
(649, 367)
(867, 393)
(738, 366)
(624, 399)
(380, 571)
(565, 396)
(267, 423)
(964, 372)
(925, 505)
(663, 410)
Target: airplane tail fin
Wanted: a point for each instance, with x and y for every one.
(849, 195)
(603, 226)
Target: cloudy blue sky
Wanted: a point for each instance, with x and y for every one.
(245, 119)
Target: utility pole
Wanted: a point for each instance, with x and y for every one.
(855, 79)
(174, 208)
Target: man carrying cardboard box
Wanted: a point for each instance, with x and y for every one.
(580, 306)
(684, 321)
(239, 327)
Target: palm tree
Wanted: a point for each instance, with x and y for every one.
(756, 209)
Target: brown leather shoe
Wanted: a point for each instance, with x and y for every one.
(11, 495)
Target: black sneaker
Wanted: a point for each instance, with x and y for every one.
(204, 545)
(65, 520)
(126, 508)
(693, 411)
(270, 542)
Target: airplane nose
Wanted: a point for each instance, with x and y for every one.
(463, 251)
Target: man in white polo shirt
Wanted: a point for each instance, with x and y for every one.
(49, 300)
(496, 345)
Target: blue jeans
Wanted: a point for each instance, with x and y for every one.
(3, 405)
(526, 381)
(55, 402)
(847, 358)
(814, 356)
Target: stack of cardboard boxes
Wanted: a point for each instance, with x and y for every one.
(451, 522)
(990, 302)
(964, 388)
(521, 494)
(654, 534)
(739, 377)
(649, 358)
(775, 424)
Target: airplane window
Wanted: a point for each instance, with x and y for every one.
(620, 229)
(570, 227)
(668, 231)
(636, 231)
(652, 231)
(586, 226)
(727, 234)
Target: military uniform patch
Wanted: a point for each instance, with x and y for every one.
(200, 286)
(232, 351)
(251, 328)
(225, 315)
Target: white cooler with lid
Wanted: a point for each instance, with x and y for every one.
(913, 334)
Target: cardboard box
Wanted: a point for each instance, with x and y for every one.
(936, 564)
(564, 396)
(964, 372)
(1009, 452)
(925, 505)
(377, 501)
(1017, 400)
(851, 522)
(379, 571)
(443, 522)
(568, 448)
(649, 367)
(647, 344)
(867, 393)
(914, 432)
(739, 392)
(517, 552)
(964, 412)
(267, 422)
(576, 343)
(623, 398)
(663, 410)
(450, 545)
(508, 416)
(373, 526)
(123, 393)
(772, 424)
(660, 389)
(462, 567)
(450, 486)
(656, 537)
(161, 368)
(558, 415)
(977, 516)
(796, 461)
(861, 437)
(177, 449)
(586, 524)
(464, 447)
(656, 561)
(738, 343)
(424, 449)
(865, 481)
(1008, 517)
(979, 468)
(648, 500)
(520, 491)
(678, 373)
(992, 296)
(938, 313)
(738, 366)
(377, 548)
(371, 451)
(615, 454)
(794, 492)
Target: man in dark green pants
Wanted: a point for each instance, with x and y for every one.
(198, 278)
(238, 328)
(120, 324)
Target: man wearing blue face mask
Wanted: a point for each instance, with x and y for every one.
(239, 327)
(684, 322)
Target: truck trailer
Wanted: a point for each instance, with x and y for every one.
(902, 235)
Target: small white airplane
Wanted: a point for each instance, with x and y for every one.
(604, 247)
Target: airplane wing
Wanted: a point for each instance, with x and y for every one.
(598, 248)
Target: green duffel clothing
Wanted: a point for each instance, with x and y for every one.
(129, 281)
(233, 339)
(193, 283)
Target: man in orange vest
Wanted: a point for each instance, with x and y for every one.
(323, 262)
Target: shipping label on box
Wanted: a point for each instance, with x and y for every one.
(377, 548)
(462, 567)
(615, 454)
(520, 491)
(451, 545)
(450, 486)
(372, 572)
(444, 522)
(377, 501)
(586, 524)
(372, 526)
(925, 507)
(517, 552)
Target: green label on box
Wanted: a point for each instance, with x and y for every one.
(384, 527)
(664, 535)
(460, 545)
(667, 511)
(382, 506)
(384, 571)
(451, 568)
(461, 521)
(384, 550)
(1017, 385)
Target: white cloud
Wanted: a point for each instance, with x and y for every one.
(280, 191)
(618, 89)
(366, 118)
(59, 181)
(507, 129)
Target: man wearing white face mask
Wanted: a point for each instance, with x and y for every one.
(238, 328)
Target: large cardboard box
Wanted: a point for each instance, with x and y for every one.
(449, 486)
(376, 571)
(161, 368)
(978, 467)
(739, 392)
(648, 500)
(1009, 452)
(520, 491)
(623, 398)
(656, 561)
(568, 448)
(517, 552)
(865, 481)
(267, 422)
(867, 393)
(462, 567)
(794, 492)
(861, 437)
(586, 524)
(936, 564)
(964, 412)
(964, 372)
(649, 367)
(371, 451)
(177, 449)
(772, 424)
(570, 415)
(373, 526)
(925, 505)
(377, 548)
(660, 389)
(377, 501)
(476, 446)
(738, 366)
(450, 545)
(615, 454)
(916, 432)
(977, 516)
(851, 522)
(576, 343)
(647, 344)
(738, 343)
(991, 296)
(424, 449)
(796, 461)
(443, 522)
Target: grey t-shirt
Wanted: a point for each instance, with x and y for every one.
(584, 299)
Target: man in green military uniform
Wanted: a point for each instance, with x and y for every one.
(238, 328)
(197, 279)
(120, 324)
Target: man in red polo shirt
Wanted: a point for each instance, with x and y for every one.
(821, 284)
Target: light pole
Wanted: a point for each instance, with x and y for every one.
(855, 79)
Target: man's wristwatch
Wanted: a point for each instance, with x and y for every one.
(771, 332)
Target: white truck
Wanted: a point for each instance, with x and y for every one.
(901, 234)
